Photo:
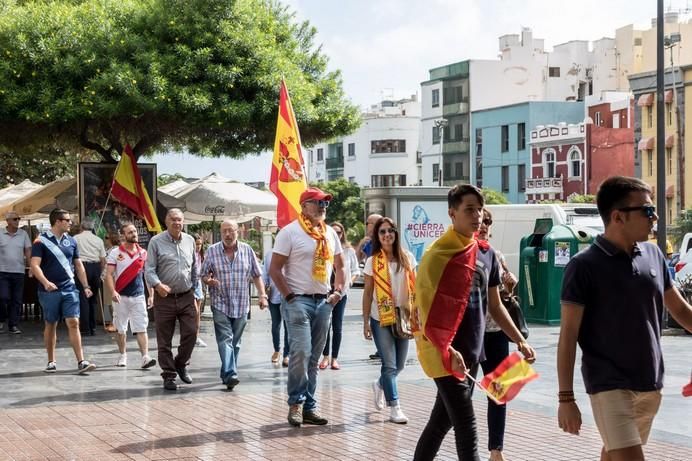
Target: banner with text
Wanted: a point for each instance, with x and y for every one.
(421, 223)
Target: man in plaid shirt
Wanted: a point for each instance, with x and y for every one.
(228, 268)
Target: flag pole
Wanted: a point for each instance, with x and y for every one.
(487, 392)
(110, 191)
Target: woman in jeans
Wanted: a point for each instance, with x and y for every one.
(496, 346)
(351, 267)
(389, 283)
(275, 312)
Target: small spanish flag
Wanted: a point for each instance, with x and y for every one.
(509, 377)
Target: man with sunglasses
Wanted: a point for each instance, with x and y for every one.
(613, 296)
(54, 262)
(15, 254)
(305, 253)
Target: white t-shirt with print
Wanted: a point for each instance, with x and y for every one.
(399, 284)
(292, 241)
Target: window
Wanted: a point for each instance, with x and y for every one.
(638, 41)
(479, 142)
(386, 146)
(669, 207)
(650, 116)
(351, 149)
(458, 170)
(436, 172)
(669, 113)
(597, 119)
(616, 120)
(436, 98)
(352, 179)
(320, 154)
(453, 95)
(436, 135)
(447, 171)
(521, 177)
(669, 159)
(387, 180)
(574, 163)
(504, 145)
(458, 132)
(521, 136)
(505, 178)
(650, 162)
(549, 163)
(419, 157)
(553, 71)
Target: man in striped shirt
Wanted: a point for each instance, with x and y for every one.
(228, 268)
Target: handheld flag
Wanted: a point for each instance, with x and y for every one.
(505, 382)
(128, 188)
(288, 170)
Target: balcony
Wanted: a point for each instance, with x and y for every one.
(456, 146)
(544, 186)
(336, 162)
(456, 108)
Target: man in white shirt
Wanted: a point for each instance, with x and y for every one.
(93, 255)
(305, 253)
(15, 254)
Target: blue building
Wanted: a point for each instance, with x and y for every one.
(500, 140)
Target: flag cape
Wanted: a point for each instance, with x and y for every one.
(128, 189)
(443, 286)
(287, 180)
(508, 378)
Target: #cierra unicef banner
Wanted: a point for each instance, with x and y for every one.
(421, 223)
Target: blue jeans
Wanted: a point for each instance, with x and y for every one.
(337, 328)
(11, 293)
(393, 352)
(275, 311)
(228, 332)
(307, 320)
(496, 347)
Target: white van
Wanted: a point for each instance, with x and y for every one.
(511, 223)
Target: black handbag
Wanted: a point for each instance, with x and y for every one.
(401, 328)
(513, 306)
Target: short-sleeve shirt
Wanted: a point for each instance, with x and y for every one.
(622, 298)
(399, 283)
(91, 247)
(293, 242)
(469, 337)
(121, 259)
(12, 248)
(51, 267)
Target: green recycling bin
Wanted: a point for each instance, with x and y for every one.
(542, 260)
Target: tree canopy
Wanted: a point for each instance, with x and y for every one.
(201, 75)
(493, 197)
(346, 207)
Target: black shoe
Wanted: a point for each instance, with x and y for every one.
(313, 417)
(184, 375)
(231, 383)
(375, 356)
(170, 385)
(14, 330)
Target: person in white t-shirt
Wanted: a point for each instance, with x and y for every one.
(305, 253)
(389, 283)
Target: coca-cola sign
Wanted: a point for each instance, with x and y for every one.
(214, 210)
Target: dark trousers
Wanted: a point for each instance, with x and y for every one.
(496, 347)
(337, 328)
(453, 408)
(166, 311)
(87, 306)
(275, 311)
(11, 292)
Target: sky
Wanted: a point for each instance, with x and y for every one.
(385, 48)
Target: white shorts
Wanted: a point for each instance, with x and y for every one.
(132, 309)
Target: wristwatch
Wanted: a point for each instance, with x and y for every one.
(339, 293)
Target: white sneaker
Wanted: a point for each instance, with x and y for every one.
(148, 362)
(122, 361)
(378, 394)
(200, 343)
(396, 415)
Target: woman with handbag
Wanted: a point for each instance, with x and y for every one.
(387, 301)
(496, 345)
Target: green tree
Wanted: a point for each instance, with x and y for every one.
(683, 225)
(583, 198)
(166, 178)
(195, 75)
(493, 197)
(346, 207)
(41, 168)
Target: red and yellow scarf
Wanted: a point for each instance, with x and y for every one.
(383, 289)
(322, 252)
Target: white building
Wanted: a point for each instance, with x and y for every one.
(382, 152)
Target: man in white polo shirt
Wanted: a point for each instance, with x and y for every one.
(15, 254)
(124, 278)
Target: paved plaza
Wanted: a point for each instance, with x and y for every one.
(117, 414)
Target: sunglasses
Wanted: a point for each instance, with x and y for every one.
(13, 219)
(389, 230)
(488, 222)
(648, 210)
(320, 203)
(65, 219)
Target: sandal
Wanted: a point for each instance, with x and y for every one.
(324, 364)
(335, 365)
(275, 357)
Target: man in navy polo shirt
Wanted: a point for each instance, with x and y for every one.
(54, 261)
(613, 296)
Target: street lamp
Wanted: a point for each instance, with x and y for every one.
(441, 124)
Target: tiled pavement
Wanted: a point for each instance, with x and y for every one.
(125, 415)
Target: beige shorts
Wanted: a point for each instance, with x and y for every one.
(624, 417)
(132, 310)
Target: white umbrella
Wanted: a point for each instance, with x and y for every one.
(61, 193)
(14, 192)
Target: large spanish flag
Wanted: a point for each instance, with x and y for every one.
(508, 378)
(128, 189)
(443, 286)
(288, 170)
